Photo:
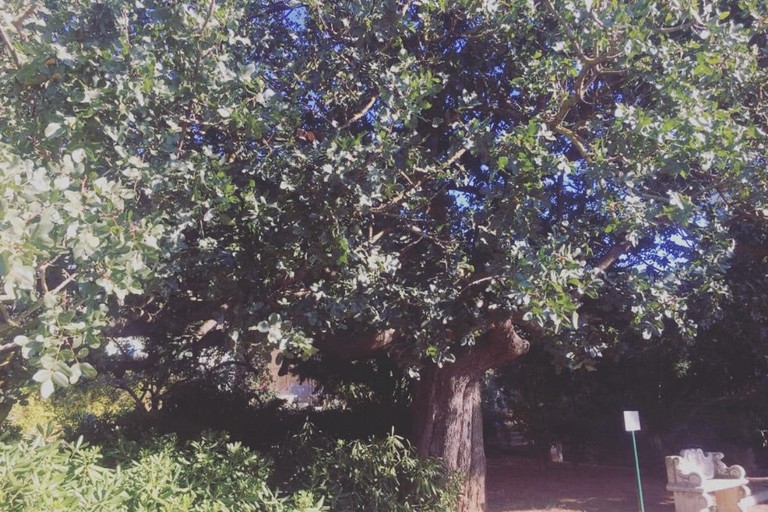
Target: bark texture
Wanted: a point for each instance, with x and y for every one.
(448, 420)
(448, 424)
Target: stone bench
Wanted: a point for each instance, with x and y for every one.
(701, 481)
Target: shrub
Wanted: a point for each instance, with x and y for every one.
(384, 475)
(206, 476)
(214, 475)
(90, 410)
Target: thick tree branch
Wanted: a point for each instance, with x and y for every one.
(584, 80)
(359, 115)
(208, 14)
(590, 71)
(750, 251)
(18, 22)
(477, 282)
(23, 16)
(121, 384)
(500, 344)
(352, 347)
(249, 367)
(6, 316)
(518, 318)
(127, 31)
(575, 139)
(613, 254)
(506, 342)
(7, 42)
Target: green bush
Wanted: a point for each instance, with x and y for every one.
(206, 476)
(91, 410)
(214, 475)
(384, 475)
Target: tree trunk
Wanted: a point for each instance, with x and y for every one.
(448, 418)
(448, 423)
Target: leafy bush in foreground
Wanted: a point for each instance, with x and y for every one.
(207, 476)
(382, 475)
(213, 475)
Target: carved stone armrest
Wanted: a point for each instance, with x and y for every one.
(723, 471)
(681, 474)
(734, 471)
(692, 479)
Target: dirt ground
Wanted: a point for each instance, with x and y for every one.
(515, 484)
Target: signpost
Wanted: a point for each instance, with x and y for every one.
(632, 424)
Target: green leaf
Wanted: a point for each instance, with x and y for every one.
(74, 373)
(42, 375)
(47, 388)
(88, 371)
(23, 276)
(47, 361)
(52, 130)
(60, 380)
(78, 155)
(50, 300)
(246, 72)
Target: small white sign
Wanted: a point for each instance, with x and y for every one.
(631, 421)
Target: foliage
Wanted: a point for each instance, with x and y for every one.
(709, 393)
(359, 475)
(425, 179)
(215, 475)
(209, 475)
(72, 243)
(102, 415)
(72, 411)
(491, 167)
(321, 168)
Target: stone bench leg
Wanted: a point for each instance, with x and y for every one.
(728, 500)
(693, 502)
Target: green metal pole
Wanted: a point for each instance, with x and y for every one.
(637, 469)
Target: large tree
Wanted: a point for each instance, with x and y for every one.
(444, 182)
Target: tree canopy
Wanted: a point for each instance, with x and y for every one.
(443, 181)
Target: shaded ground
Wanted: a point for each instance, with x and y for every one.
(515, 484)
